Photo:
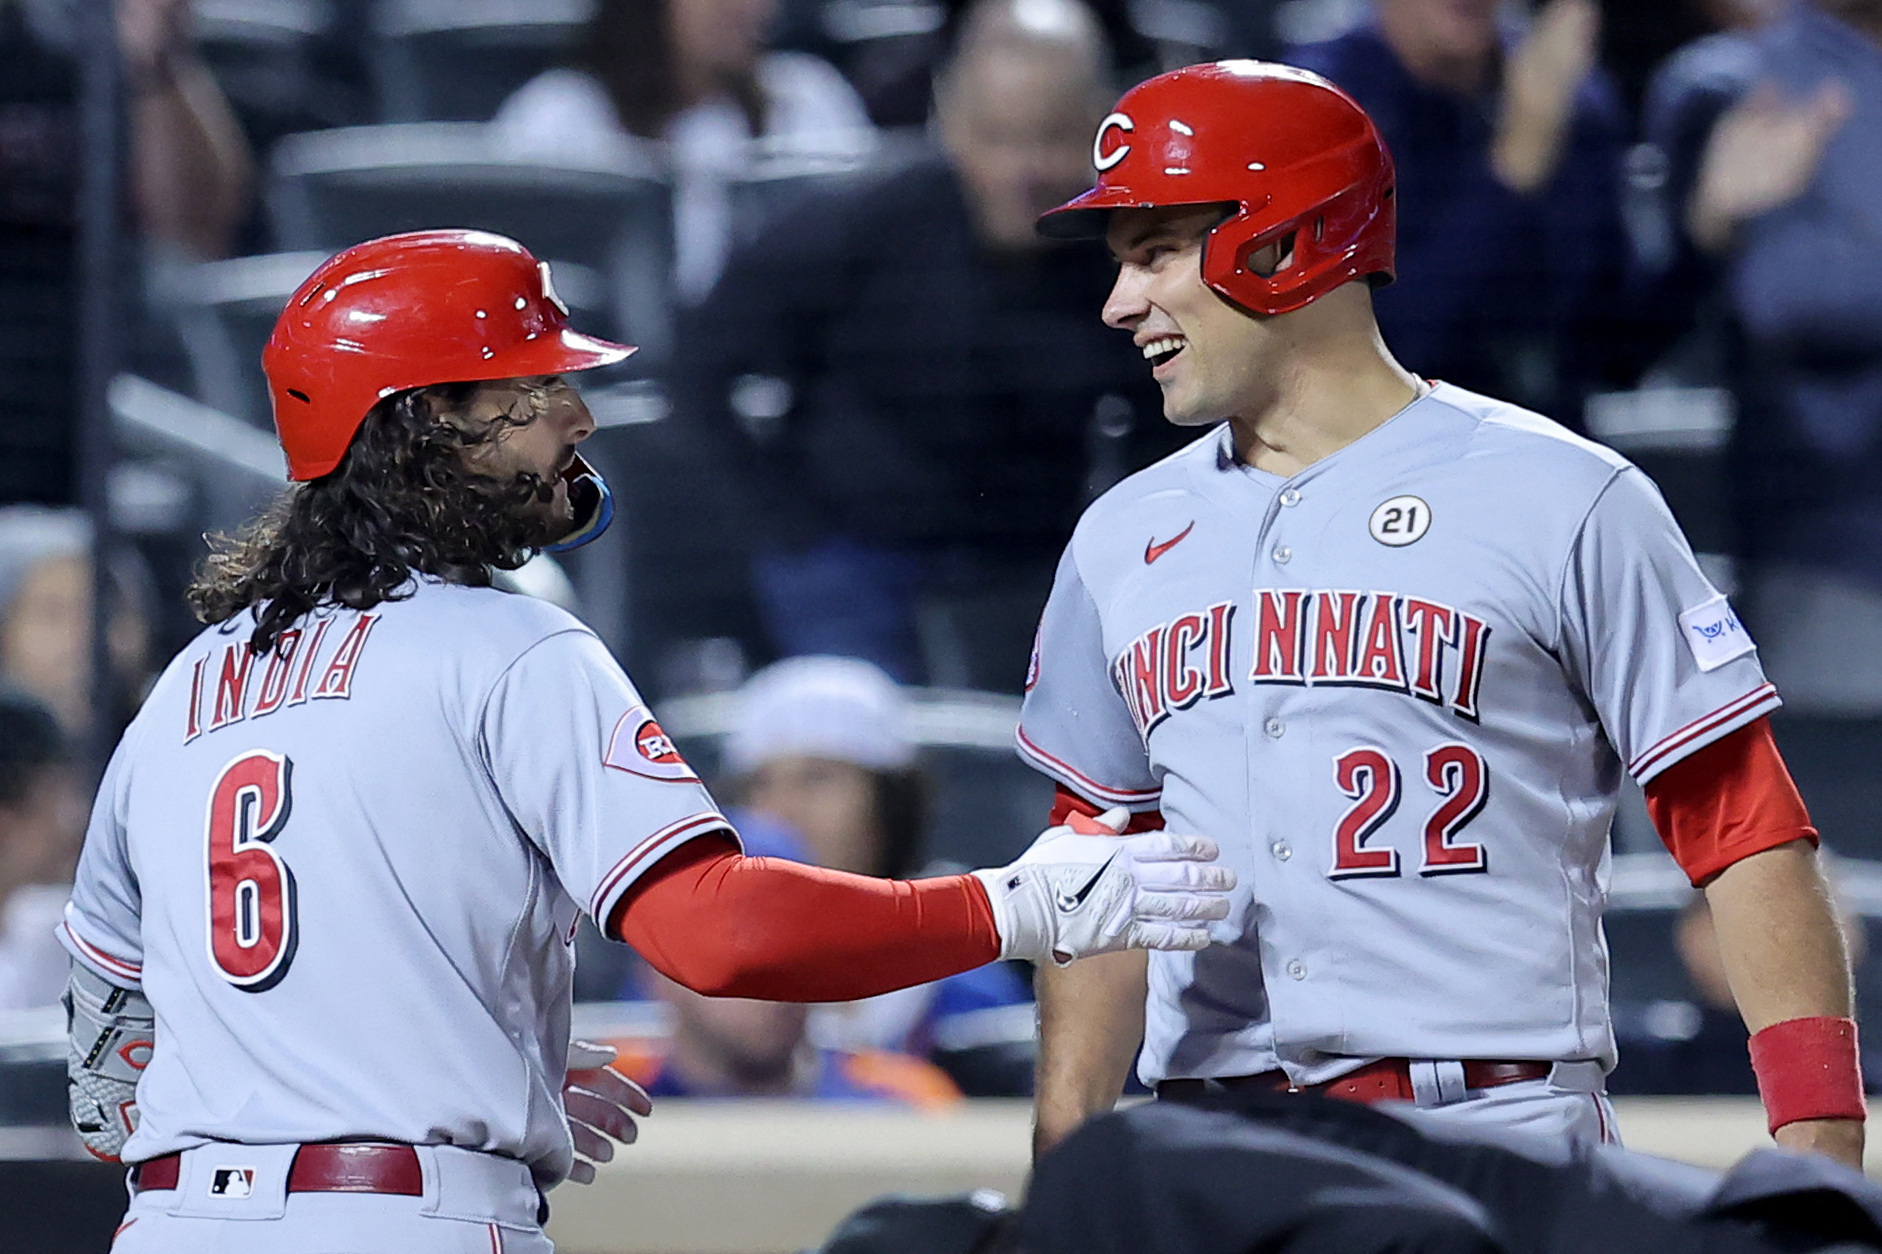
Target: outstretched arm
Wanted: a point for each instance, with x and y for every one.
(774, 930)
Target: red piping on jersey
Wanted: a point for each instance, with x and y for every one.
(1727, 801)
(1090, 787)
(1651, 757)
(117, 966)
(726, 925)
(660, 842)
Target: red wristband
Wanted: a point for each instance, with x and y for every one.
(1808, 1069)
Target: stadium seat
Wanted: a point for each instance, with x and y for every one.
(459, 60)
(332, 189)
(267, 58)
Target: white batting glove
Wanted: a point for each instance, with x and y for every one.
(600, 1103)
(1082, 889)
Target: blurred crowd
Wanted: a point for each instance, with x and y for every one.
(871, 401)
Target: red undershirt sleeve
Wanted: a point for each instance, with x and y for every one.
(1729, 800)
(773, 930)
(1066, 803)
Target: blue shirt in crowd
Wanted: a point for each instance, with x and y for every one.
(1508, 294)
(1802, 286)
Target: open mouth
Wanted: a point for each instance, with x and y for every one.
(1161, 351)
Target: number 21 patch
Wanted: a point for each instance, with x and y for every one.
(640, 746)
(1714, 634)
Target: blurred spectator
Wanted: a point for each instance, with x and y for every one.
(188, 184)
(822, 744)
(1510, 251)
(45, 614)
(893, 64)
(732, 1047)
(1698, 1046)
(1636, 37)
(695, 74)
(736, 1047)
(911, 384)
(42, 822)
(1774, 193)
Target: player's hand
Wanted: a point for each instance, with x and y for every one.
(601, 1103)
(1840, 1139)
(1540, 79)
(1762, 154)
(1083, 889)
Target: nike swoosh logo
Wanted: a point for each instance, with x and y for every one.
(1069, 902)
(1153, 550)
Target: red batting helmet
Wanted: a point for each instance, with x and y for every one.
(410, 311)
(1287, 149)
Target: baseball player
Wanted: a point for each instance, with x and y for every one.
(1392, 645)
(323, 916)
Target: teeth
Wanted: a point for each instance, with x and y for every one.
(1163, 347)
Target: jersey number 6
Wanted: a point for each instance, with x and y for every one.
(1457, 773)
(252, 925)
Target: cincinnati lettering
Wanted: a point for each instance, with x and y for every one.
(1311, 638)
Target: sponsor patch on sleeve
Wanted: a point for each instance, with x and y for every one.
(1714, 634)
(641, 747)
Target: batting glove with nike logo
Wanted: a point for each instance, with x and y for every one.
(1082, 889)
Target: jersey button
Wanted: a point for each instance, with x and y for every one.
(1290, 498)
(1281, 850)
(1297, 969)
(1275, 728)
(1282, 555)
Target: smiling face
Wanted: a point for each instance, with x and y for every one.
(1212, 358)
(537, 422)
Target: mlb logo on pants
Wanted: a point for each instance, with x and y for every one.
(232, 1182)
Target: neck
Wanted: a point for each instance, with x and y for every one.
(1320, 404)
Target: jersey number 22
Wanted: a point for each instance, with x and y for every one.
(252, 924)
(1456, 773)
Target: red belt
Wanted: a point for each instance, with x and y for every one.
(339, 1167)
(1384, 1080)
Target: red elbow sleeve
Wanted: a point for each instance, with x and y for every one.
(1066, 803)
(1731, 799)
(730, 926)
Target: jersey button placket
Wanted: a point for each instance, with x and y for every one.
(1297, 969)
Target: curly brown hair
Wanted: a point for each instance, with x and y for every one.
(401, 502)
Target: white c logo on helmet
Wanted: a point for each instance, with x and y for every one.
(1099, 157)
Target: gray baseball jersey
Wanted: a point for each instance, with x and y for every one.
(347, 873)
(1399, 688)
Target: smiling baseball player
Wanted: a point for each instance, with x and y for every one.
(1392, 644)
(323, 918)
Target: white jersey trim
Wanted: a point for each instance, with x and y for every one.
(1076, 780)
(1703, 731)
(646, 853)
(105, 963)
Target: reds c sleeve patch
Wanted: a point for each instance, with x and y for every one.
(641, 747)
